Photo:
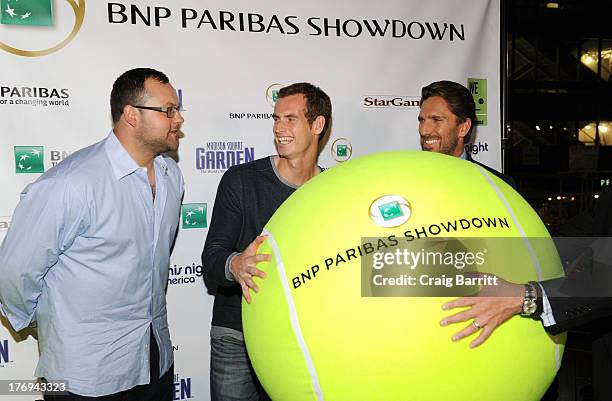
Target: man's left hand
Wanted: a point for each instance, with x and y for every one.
(485, 311)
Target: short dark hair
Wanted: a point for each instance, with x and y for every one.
(317, 103)
(129, 89)
(460, 101)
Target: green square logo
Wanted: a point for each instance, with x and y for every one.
(390, 210)
(27, 12)
(29, 159)
(274, 95)
(478, 89)
(341, 150)
(193, 215)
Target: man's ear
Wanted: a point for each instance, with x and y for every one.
(464, 128)
(130, 115)
(318, 124)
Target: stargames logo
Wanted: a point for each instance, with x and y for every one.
(36, 13)
(193, 215)
(272, 93)
(341, 150)
(390, 211)
(29, 159)
(393, 101)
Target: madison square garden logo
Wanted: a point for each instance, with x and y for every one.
(32, 14)
(193, 215)
(182, 388)
(29, 159)
(390, 211)
(4, 352)
(341, 150)
(218, 156)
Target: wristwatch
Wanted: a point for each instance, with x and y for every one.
(530, 304)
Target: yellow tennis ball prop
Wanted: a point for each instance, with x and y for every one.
(317, 331)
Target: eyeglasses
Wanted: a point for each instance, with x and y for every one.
(170, 111)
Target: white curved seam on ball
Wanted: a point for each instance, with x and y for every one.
(295, 324)
(557, 352)
(534, 259)
(501, 196)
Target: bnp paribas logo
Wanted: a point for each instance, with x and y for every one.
(272, 93)
(193, 215)
(390, 211)
(341, 150)
(5, 222)
(29, 159)
(38, 13)
(27, 12)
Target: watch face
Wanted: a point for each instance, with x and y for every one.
(529, 308)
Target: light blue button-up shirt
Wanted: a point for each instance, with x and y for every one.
(87, 257)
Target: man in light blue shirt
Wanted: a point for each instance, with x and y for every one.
(87, 254)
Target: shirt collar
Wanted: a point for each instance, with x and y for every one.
(161, 162)
(121, 161)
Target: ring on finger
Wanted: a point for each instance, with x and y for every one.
(478, 327)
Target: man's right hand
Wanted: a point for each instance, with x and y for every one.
(244, 266)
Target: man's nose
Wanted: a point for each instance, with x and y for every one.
(179, 117)
(425, 127)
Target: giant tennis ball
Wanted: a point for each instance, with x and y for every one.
(321, 328)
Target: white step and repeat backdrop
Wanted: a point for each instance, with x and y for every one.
(227, 59)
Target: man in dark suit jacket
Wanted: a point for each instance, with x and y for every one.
(447, 119)
(582, 299)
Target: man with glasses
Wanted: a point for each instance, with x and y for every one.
(87, 253)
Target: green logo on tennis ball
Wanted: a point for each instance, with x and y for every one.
(390, 210)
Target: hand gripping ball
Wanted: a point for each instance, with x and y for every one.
(317, 331)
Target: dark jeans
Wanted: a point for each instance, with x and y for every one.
(158, 389)
(231, 375)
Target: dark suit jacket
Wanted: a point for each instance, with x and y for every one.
(583, 299)
(509, 180)
(585, 247)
